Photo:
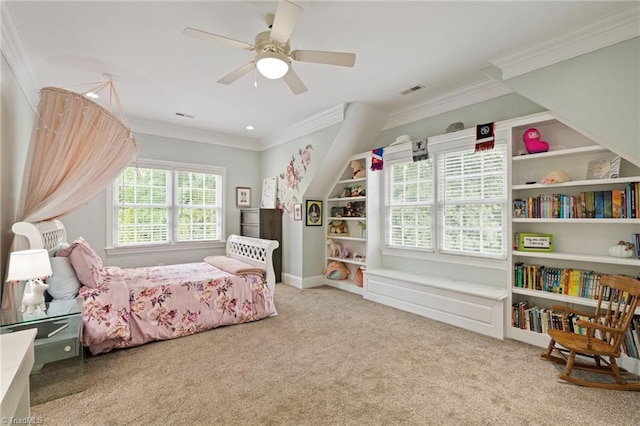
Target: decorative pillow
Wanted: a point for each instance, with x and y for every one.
(85, 262)
(233, 266)
(63, 284)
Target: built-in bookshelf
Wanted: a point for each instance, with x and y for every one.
(581, 241)
(346, 222)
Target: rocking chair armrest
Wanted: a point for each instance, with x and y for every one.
(567, 310)
(593, 325)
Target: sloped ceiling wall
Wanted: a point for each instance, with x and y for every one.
(597, 93)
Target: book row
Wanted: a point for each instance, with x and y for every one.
(540, 320)
(572, 282)
(613, 204)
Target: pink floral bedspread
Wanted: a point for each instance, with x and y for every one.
(135, 306)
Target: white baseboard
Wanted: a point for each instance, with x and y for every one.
(302, 283)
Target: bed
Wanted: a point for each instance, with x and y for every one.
(124, 307)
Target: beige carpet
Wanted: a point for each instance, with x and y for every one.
(333, 358)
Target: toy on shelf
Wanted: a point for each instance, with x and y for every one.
(358, 277)
(334, 248)
(345, 253)
(338, 227)
(532, 142)
(357, 170)
(336, 271)
(556, 176)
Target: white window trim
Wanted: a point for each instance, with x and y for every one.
(461, 142)
(185, 245)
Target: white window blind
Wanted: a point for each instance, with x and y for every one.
(472, 201)
(409, 203)
(160, 203)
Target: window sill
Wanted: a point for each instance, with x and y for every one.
(114, 251)
(448, 258)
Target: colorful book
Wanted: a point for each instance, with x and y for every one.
(616, 203)
(599, 204)
(608, 207)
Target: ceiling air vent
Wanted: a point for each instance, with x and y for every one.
(185, 115)
(412, 89)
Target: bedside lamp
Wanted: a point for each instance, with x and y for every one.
(31, 266)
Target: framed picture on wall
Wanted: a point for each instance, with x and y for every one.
(243, 197)
(269, 191)
(314, 213)
(297, 212)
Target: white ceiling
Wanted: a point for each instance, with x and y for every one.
(158, 71)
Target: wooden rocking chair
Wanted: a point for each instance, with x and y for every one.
(602, 334)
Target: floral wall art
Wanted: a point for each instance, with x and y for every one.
(289, 180)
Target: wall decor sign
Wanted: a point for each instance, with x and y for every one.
(297, 211)
(269, 189)
(314, 213)
(243, 197)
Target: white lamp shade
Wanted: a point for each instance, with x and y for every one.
(28, 265)
(272, 65)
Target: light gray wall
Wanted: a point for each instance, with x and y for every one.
(16, 123)
(242, 169)
(598, 92)
(274, 162)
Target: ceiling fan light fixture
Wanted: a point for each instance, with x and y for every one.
(272, 65)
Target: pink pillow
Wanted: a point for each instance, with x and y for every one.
(85, 262)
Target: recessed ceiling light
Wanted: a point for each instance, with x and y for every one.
(249, 127)
(92, 95)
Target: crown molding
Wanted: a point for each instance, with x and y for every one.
(319, 121)
(156, 128)
(464, 96)
(609, 30)
(15, 52)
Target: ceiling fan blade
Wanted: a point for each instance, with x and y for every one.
(236, 74)
(284, 22)
(321, 57)
(192, 32)
(293, 81)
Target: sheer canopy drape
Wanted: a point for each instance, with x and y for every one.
(77, 149)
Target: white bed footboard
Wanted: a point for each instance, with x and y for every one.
(255, 251)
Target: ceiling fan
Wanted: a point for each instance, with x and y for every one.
(273, 53)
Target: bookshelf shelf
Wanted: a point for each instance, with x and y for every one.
(579, 221)
(590, 258)
(590, 182)
(351, 261)
(560, 153)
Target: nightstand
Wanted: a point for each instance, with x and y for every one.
(57, 370)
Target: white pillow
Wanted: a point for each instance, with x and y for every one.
(54, 251)
(63, 284)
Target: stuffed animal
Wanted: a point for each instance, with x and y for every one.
(532, 142)
(358, 277)
(345, 253)
(557, 176)
(334, 248)
(33, 296)
(338, 227)
(357, 170)
(336, 271)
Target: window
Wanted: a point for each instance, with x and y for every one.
(453, 203)
(409, 205)
(161, 203)
(472, 200)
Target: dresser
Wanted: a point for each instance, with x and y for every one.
(266, 224)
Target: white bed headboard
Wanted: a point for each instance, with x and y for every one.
(42, 235)
(255, 251)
